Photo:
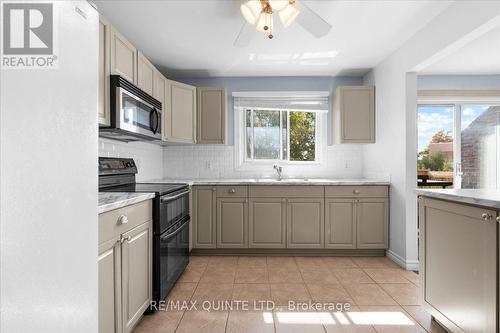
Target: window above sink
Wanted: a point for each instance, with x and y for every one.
(288, 128)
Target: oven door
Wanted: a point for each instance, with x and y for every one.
(136, 115)
(174, 255)
(173, 208)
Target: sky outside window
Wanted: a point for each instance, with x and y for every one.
(432, 119)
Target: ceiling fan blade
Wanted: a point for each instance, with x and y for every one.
(311, 21)
(245, 35)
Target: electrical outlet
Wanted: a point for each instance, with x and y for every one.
(208, 165)
(346, 164)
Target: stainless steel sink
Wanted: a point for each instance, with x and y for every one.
(284, 180)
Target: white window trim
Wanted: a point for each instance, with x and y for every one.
(242, 164)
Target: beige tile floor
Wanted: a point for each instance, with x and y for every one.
(383, 298)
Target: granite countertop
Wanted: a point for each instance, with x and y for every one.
(479, 197)
(113, 200)
(271, 181)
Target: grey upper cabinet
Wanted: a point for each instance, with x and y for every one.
(109, 285)
(123, 57)
(372, 223)
(458, 265)
(145, 74)
(305, 223)
(354, 114)
(103, 108)
(136, 274)
(232, 222)
(180, 113)
(211, 115)
(267, 223)
(204, 217)
(159, 85)
(340, 223)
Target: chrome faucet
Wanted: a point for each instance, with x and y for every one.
(279, 170)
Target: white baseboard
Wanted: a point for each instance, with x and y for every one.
(411, 265)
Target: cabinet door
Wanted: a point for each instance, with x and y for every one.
(211, 117)
(305, 223)
(136, 274)
(159, 88)
(340, 224)
(123, 57)
(104, 116)
(267, 223)
(372, 223)
(458, 265)
(109, 286)
(180, 114)
(145, 74)
(357, 114)
(232, 223)
(204, 215)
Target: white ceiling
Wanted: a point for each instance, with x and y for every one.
(195, 38)
(481, 56)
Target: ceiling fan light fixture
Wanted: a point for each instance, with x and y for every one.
(288, 15)
(278, 5)
(265, 23)
(251, 10)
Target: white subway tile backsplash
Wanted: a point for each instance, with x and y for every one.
(217, 161)
(148, 157)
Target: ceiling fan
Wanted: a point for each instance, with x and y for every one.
(259, 14)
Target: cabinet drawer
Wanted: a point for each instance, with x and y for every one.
(232, 191)
(286, 191)
(356, 191)
(110, 225)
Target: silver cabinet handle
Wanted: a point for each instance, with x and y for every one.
(498, 218)
(122, 219)
(486, 217)
(356, 191)
(232, 190)
(125, 239)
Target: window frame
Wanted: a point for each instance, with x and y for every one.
(243, 165)
(280, 160)
(456, 100)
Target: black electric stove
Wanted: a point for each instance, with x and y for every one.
(170, 220)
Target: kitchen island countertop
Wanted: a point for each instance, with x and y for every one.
(479, 197)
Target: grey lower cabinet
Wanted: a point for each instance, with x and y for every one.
(204, 217)
(458, 265)
(288, 216)
(136, 274)
(267, 227)
(109, 285)
(124, 267)
(305, 223)
(372, 227)
(340, 223)
(232, 223)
